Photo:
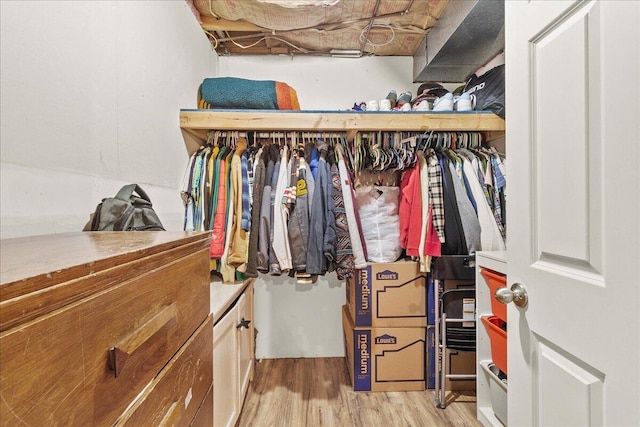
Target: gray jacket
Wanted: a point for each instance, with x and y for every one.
(299, 223)
(258, 187)
(264, 235)
(322, 234)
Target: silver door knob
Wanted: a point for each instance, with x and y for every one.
(517, 294)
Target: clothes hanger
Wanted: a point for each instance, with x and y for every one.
(424, 143)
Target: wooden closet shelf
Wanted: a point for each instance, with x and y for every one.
(196, 123)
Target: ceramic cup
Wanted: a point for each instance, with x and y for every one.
(385, 105)
(372, 105)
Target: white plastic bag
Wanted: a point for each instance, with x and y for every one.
(378, 209)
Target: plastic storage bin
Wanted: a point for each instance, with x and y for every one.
(494, 281)
(498, 338)
(497, 391)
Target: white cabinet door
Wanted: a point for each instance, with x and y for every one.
(573, 114)
(245, 338)
(226, 402)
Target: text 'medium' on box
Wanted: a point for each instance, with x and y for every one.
(384, 358)
(388, 294)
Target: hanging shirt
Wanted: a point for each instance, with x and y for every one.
(468, 216)
(490, 237)
(187, 198)
(256, 212)
(410, 212)
(310, 184)
(344, 254)
(298, 228)
(454, 243)
(498, 184)
(407, 183)
(274, 265)
(264, 238)
(427, 216)
(436, 197)
(227, 270)
(349, 207)
(432, 245)
(246, 193)
(238, 236)
(216, 247)
(322, 220)
(280, 245)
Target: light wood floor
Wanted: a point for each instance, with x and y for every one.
(318, 393)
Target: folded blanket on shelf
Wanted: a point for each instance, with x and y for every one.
(233, 92)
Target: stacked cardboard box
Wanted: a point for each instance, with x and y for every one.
(384, 324)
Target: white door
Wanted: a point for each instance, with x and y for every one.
(573, 131)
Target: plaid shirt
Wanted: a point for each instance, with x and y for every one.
(499, 183)
(436, 192)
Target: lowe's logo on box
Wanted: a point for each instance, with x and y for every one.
(387, 275)
(386, 339)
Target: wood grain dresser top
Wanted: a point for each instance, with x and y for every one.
(47, 260)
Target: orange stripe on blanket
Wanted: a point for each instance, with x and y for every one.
(287, 97)
(295, 105)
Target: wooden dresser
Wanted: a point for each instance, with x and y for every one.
(104, 328)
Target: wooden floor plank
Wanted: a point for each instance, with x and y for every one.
(317, 392)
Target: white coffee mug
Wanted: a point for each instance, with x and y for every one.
(385, 105)
(372, 105)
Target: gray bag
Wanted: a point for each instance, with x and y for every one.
(125, 212)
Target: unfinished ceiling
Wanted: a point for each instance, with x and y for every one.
(317, 27)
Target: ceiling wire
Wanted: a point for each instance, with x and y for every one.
(213, 38)
(375, 45)
(303, 50)
(211, 11)
(367, 29)
(325, 27)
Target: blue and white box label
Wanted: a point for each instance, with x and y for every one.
(362, 360)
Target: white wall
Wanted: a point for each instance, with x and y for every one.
(305, 320)
(324, 83)
(90, 98)
(91, 93)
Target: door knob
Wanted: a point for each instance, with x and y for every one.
(243, 324)
(517, 294)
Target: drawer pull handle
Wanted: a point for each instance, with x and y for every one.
(119, 353)
(172, 416)
(243, 324)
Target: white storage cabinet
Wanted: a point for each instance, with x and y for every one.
(491, 393)
(233, 349)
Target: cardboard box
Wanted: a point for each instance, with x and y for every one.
(458, 362)
(461, 362)
(382, 358)
(388, 294)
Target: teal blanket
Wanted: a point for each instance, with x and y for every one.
(232, 92)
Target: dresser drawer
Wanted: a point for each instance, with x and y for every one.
(174, 397)
(83, 363)
(204, 416)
